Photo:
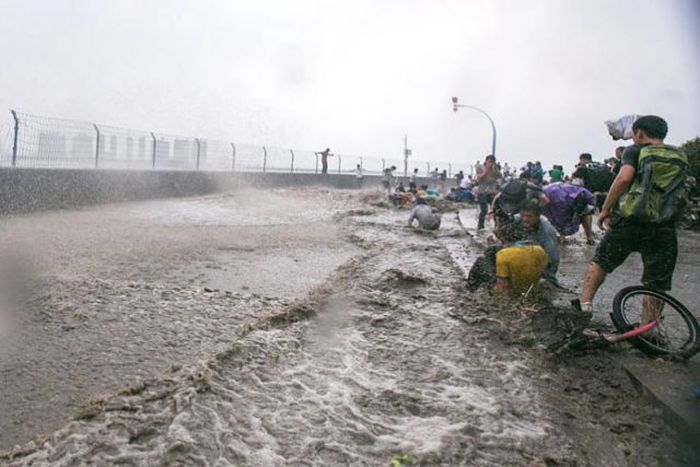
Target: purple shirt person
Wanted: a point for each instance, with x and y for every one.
(569, 206)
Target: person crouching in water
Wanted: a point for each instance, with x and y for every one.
(511, 269)
(568, 207)
(427, 219)
(540, 231)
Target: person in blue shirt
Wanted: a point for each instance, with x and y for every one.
(541, 232)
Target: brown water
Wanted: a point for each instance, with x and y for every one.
(386, 355)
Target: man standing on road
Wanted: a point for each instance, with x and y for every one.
(632, 225)
(324, 159)
(487, 178)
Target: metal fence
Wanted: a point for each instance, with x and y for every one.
(32, 141)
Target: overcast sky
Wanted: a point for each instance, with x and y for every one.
(356, 75)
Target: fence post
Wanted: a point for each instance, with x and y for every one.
(233, 161)
(97, 145)
(14, 143)
(196, 140)
(264, 159)
(449, 169)
(316, 163)
(154, 149)
(428, 165)
(292, 152)
(361, 166)
(340, 162)
(383, 164)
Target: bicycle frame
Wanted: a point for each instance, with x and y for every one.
(627, 335)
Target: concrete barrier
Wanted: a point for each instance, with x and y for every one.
(27, 190)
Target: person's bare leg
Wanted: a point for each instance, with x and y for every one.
(651, 308)
(595, 276)
(587, 222)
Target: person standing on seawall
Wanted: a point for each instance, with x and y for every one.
(413, 183)
(487, 178)
(359, 175)
(324, 159)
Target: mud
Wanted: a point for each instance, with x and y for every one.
(387, 356)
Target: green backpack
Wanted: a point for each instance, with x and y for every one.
(658, 191)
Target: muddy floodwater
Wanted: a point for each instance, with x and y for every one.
(297, 327)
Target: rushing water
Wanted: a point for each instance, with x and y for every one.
(389, 357)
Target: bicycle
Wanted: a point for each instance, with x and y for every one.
(652, 321)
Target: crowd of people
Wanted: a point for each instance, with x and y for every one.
(637, 194)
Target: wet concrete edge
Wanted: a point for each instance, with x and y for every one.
(30, 190)
(678, 406)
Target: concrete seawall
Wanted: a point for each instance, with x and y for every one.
(28, 190)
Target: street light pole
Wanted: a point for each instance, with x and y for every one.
(455, 106)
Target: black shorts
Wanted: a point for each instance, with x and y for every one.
(657, 244)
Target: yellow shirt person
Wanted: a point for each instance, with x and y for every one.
(518, 267)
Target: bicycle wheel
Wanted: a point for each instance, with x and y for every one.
(678, 332)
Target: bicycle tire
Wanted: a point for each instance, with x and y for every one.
(672, 307)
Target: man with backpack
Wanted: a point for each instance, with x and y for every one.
(512, 197)
(640, 211)
(597, 177)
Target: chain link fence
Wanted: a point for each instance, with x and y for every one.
(34, 141)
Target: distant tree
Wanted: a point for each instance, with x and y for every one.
(692, 148)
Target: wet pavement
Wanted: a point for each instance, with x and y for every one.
(376, 351)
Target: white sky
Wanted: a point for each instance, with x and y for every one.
(356, 75)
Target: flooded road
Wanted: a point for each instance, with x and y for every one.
(122, 292)
(382, 355)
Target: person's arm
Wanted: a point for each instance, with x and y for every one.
(411, 217)
(481, 175)
(544, 200)
(492, 208)
(619, 187)
(502, 288)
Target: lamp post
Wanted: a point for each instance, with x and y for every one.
(456, 105)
